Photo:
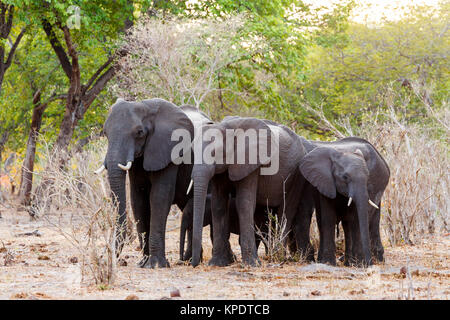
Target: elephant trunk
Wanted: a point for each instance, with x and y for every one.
(362, 201)
(200, 191)
(118, 193)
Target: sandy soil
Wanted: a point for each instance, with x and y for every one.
(39, 267)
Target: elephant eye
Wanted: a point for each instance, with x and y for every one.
(346, 177)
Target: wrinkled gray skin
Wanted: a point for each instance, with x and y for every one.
(250, 187)
(140, 132)
(350, 167)
(187, 222)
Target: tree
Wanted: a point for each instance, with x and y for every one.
(6, 30)
(80, 39)
(398, 64)
(236, 56)
(8, 48)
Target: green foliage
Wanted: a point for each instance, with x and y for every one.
(284, 59)
(400, 65)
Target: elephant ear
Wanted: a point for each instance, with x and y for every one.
(238, 171)
(164, 117)
(316, 167)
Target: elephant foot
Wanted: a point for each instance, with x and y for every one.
(142, 262)
(328, 260)
(307, 254)
(156, 262)
(222, 260)
(187, 256)
(357, 262)
(251, 261)
(378, 254)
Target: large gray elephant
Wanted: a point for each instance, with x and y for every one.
(348, 179)
(139, 142)
(246, 180)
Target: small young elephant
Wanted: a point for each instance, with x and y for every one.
(261, 218)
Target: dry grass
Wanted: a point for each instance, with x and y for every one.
(274, 239)
(416, 201)
(28, 277)
(77, 204)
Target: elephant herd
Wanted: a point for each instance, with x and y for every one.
(232, 190)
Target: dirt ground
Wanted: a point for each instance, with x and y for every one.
(39, 266)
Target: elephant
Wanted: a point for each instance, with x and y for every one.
(346, 181)
(255, 182)
(139, 142)
(187, 221)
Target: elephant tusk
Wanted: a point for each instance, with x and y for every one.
(349, 201)
(190, 186)
(100, 170)
(373, 204)
(126, 168)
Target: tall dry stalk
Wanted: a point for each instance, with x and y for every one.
(416, 201)
(275, 237)
(78, 205)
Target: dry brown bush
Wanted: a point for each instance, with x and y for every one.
(275, 237)
(416, 200)
(78, 205)
(178, 60)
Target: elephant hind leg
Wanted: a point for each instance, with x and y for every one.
(346, 225)
(327, 228)
(222, 255)
(245, 205)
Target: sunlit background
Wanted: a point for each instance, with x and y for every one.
(374, 11)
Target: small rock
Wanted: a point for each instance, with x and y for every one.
(43, 258)
(35, 233)
(416, 273)
(316, 293)
(403, 271)
(175, 293)
(286, 294)
(132, 297)
(122, 263)
(355, 292)
(73, 260)
(21, 295)
(165, 298)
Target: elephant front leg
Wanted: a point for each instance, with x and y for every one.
(302, 230)
(376, 246)
(222, 255)
(245, 206)
(161, 198)
(346, 225)
(140, 203)
(327, 252)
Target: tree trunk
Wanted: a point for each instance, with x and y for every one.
(26, 181)
(3, 140)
